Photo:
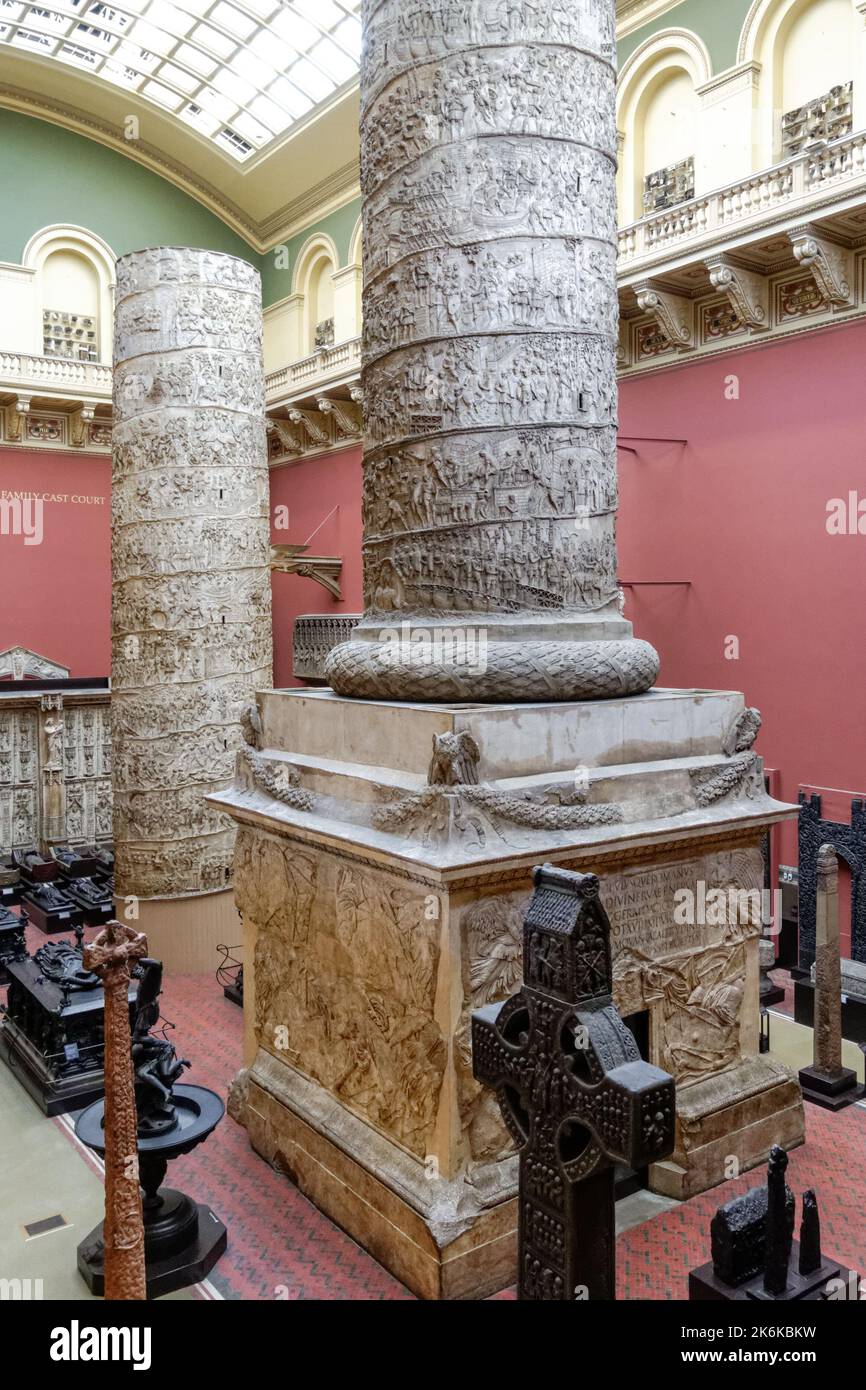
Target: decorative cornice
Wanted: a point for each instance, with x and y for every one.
(323, 198)
(634, 14)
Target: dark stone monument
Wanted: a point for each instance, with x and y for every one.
(754, 1252)
(10, 883)
(12, 939)
(849, 842)
(574, 1092)
(53, 1026)
(183, 1239)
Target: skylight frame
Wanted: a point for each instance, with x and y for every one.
(128, 43)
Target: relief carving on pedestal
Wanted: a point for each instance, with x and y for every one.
(345, 982)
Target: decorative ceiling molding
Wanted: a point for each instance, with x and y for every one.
(634, 14)
(82, 123)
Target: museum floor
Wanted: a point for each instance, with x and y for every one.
(281, 1247)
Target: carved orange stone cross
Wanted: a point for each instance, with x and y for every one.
(110, 956)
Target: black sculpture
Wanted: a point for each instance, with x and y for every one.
(572, 1089)
(780, 1223)
(62, 963)
(754, 1253)
(48, 908)
(154, 1059)
(230, 974)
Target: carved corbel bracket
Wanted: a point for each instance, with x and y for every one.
(357, 395)
(832, 267)
(345, 414)
(325, 569)
(290, 436)
(15, 417)
(312, 422)
(748, 292)
(672, 313)
(79, 420)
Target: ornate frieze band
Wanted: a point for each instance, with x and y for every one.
(190, 558)
(488, 147)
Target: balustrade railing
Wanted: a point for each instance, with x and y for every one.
(840, 164)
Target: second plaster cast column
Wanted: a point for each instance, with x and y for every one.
(488, 163)
(191, 612)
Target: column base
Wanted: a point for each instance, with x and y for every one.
(184, 932)
(831, 1090)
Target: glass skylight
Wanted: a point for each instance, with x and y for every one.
(240, 72)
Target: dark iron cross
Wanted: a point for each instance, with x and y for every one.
(573, 1090)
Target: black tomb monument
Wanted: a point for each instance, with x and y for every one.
(52, 1032)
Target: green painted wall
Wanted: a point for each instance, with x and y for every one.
(339, 226)
(717, 22)
(52, 175)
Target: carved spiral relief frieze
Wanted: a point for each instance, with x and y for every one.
(488, 146)
(190, 551)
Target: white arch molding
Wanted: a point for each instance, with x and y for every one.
(317, 251)
(93, 249)
(762, 41)
(658, 58)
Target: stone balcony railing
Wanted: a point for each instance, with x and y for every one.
(322, 368)
(25, 373)
(798, 188)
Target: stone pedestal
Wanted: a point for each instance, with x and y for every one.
(382, 867)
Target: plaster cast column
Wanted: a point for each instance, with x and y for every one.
(191, 610)
(488, 167)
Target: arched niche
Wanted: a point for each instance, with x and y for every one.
(658, 111)
(74, 293)
(314, 282)
(803, 49)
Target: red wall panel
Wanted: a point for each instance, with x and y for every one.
(55, 597)
(741, 512)
(323, 497)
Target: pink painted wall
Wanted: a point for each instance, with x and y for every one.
(55, 597)
(323, 496)
(741, 512)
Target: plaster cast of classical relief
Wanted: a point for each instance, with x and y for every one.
(455, 760)
(55, 770)
(191, 588)
(743, 732)
(831, 266)
(345, 967)
(742, 776)
(488, 147)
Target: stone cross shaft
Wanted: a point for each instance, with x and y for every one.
(110, 955)
(573, 1091)
(827, 1055)
(488, 164)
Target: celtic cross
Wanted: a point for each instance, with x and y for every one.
(573, 1090)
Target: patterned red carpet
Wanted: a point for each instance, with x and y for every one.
(281, 1247)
